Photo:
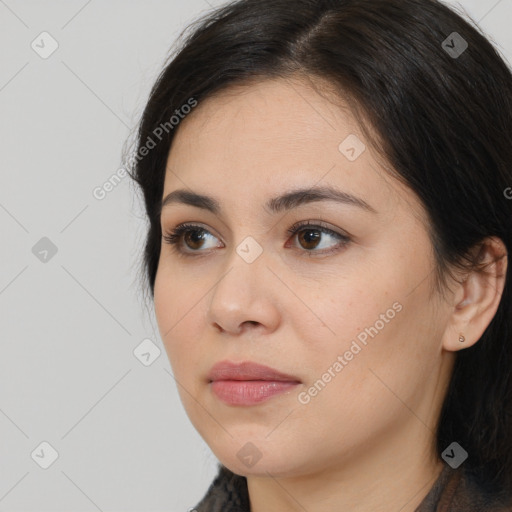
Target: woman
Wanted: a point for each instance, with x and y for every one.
(326, 187)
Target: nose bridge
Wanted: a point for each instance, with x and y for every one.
(247, 259)
(242, 293)
(244, 269)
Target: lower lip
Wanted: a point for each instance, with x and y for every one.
(249, 392)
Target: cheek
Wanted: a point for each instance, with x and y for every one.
(384, 348)
(359, 389)
(376, 322)
(346, 311)
(176, 314)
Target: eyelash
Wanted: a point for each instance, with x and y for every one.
(174, 238)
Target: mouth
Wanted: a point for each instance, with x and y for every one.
(248, 383)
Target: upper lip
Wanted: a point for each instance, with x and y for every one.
(247, 370)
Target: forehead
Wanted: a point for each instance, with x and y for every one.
(257, 140)
(275, 112)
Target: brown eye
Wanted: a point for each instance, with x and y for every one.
(194, 238)
(309, 238)
(188, 238)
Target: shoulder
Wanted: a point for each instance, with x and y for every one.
(227, 493)
(454, 491)
(463, 491)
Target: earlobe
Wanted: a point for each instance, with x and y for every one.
(477, 297)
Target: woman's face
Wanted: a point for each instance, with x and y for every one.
(347, 313)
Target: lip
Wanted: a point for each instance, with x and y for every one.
(247, 370)
(248, 383)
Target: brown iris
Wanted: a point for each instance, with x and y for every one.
(310, 236)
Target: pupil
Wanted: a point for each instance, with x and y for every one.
(196, 236)
(315, 236)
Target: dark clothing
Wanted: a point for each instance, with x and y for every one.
(453, 491)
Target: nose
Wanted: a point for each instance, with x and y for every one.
(245, 297)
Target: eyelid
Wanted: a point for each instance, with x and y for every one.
(318, 223)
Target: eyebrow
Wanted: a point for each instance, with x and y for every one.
(278, 204)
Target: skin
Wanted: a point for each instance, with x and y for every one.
(366, 440)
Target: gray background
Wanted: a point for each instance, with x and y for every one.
(70, 323)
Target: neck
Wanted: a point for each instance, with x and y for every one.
(394, 476)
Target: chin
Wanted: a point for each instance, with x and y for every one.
(262, 468)
(258, 457)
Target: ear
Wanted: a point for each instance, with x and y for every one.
(476, 299)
